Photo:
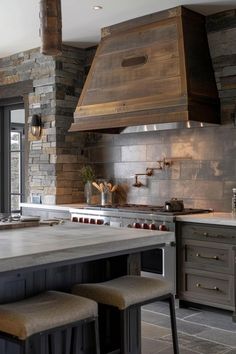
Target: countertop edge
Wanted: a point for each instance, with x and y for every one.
(215, 218)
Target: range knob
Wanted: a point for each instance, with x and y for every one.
(136, 225)
(74, 219)
(86, 220)
(100, 222)
(92, 221)
(152, 226)
(81, 220)
(163, 227)
(145, 226)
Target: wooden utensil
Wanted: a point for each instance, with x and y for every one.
(114, 188)
(109, 185)
(96, 186)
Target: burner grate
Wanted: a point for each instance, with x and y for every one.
(151, 209)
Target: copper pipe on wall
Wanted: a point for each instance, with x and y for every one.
(138, 183)
(50, 27)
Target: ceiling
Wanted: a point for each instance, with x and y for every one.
(19, 19)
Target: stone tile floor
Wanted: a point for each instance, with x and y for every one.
(200, 331)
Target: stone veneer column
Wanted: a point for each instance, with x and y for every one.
(69, 158)
(54, 160)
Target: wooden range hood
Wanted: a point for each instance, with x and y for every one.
(149, 70)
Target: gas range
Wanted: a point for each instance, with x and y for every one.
(131, 215)
(155, 263)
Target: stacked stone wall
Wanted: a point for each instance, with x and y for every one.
(53, 162)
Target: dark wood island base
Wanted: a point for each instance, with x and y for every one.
(18, 285)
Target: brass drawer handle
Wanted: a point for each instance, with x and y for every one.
(205, 234)
(216, 258)
(215, 288)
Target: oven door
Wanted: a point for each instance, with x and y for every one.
(160, 263)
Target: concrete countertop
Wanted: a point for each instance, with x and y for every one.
(216, 218)
(37, 246)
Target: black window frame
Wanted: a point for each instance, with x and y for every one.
(5, 156)
(20, 128)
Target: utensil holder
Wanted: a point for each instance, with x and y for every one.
(106, 198)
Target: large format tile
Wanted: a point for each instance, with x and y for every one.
(198, 345)
(219, 336)
(164, 321)
(181, 350)
(218, 319)
(153, 331)
(200, 331)
(163, 307)
(150, 346)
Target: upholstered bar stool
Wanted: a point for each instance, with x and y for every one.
(127, 292)
(45, 314)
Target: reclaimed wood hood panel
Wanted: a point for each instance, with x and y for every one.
(152, 69)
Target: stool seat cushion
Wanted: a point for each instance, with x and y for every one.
(43, 312)
(124, 291)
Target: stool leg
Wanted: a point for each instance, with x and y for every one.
(25, 347)
(22, 348)
(123, 332)
(173, 324)
(96, 333)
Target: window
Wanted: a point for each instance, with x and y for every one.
(12, 158)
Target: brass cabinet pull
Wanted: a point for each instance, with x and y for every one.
(205, 234)
(215, 288)
(216, 258)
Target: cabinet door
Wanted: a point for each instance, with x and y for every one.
(208, 256)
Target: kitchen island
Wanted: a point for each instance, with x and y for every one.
(41, 258)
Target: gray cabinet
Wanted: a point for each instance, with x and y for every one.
(206, 265)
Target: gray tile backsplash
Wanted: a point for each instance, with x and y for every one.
(203, 170)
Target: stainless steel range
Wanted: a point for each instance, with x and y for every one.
(155, 263)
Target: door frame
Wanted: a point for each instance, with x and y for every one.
(5, 158)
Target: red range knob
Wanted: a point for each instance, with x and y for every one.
(163, 227)
(145, 226)
(152, 227)
(86, 220)
(136, 225)
(75, 219)
(81, 219)
(92, 221)
(100, 222)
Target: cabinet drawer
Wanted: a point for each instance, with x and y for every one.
(208, 288)
(208, 233)
(208, 256)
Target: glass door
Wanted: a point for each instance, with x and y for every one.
(16, 167)
(12, 158)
